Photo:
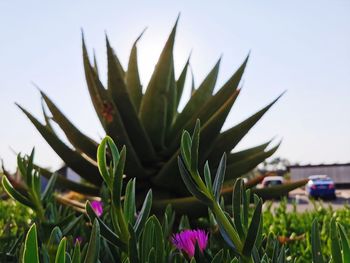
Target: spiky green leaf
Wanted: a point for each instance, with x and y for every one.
(74, 135)
(153, 105)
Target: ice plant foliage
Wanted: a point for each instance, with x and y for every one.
(144, 238)
(97, 206)
(186, 241)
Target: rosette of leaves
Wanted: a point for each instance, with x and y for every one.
(150, 125)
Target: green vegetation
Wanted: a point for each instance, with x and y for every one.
(150, 126)
(14, 220)
(171, 189)
(294, 228)
(119, 230)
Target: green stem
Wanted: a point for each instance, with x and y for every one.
(227, 226)
(123, 225)
(40, 212)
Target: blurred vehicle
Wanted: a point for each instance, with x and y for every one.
(320, 186)
(272, 181)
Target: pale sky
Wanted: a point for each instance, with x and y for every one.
(299, 46)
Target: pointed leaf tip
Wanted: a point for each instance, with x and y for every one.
(139, 37)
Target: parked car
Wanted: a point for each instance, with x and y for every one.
(320, 186)
(272, 181)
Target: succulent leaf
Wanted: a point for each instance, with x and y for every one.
(245, 165)
(180, 83)
(278, 191)
(79, 140)
(335, 243)
(198, 98)
(93, 250)
(72, 158)
(230, 138)
(61, 251)
(316, 243)
(30, 253)
(117, 89)
(153, 108)
(133, 82)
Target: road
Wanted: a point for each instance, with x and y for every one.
(303, 202)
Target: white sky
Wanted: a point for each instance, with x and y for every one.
(299, 46)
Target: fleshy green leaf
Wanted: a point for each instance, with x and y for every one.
(49, 187)
(180, 83)
(93, 250)
(15, 194)
(278, 191)
(75, 136)
(118, 178)
(118, 91)
(106, 232)
(129, 202)
(230, 138)
(68, 184)
(152, 238)
(237, 156)
(219, 178)
(207, 177)
(133, 82)
(218, 258)
(244, 166)
(316, 243)
(133, 251)
(76, 253)
(71, 225)
(153, 105)
(109, 115)
(236, 207)
(61, 251)
(253, 231)
(30, 253)
(335, 245)
(186, 146)
(191, 185)
(144, 213)
(194, 149)
(72, 158)
(345, 244)
(196, 102)
(102, 162)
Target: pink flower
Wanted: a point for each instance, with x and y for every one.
(187, 239)
(97, 206)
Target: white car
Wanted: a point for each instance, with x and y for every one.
(272, 181)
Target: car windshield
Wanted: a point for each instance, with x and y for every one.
(273, 182)
(323, 180)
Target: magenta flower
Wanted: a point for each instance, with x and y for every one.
(97, 206)
(187, 239)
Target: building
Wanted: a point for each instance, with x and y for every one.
(340, 173)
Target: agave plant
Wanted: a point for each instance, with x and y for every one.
(149, 124)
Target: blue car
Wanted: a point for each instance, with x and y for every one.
(320, 186)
